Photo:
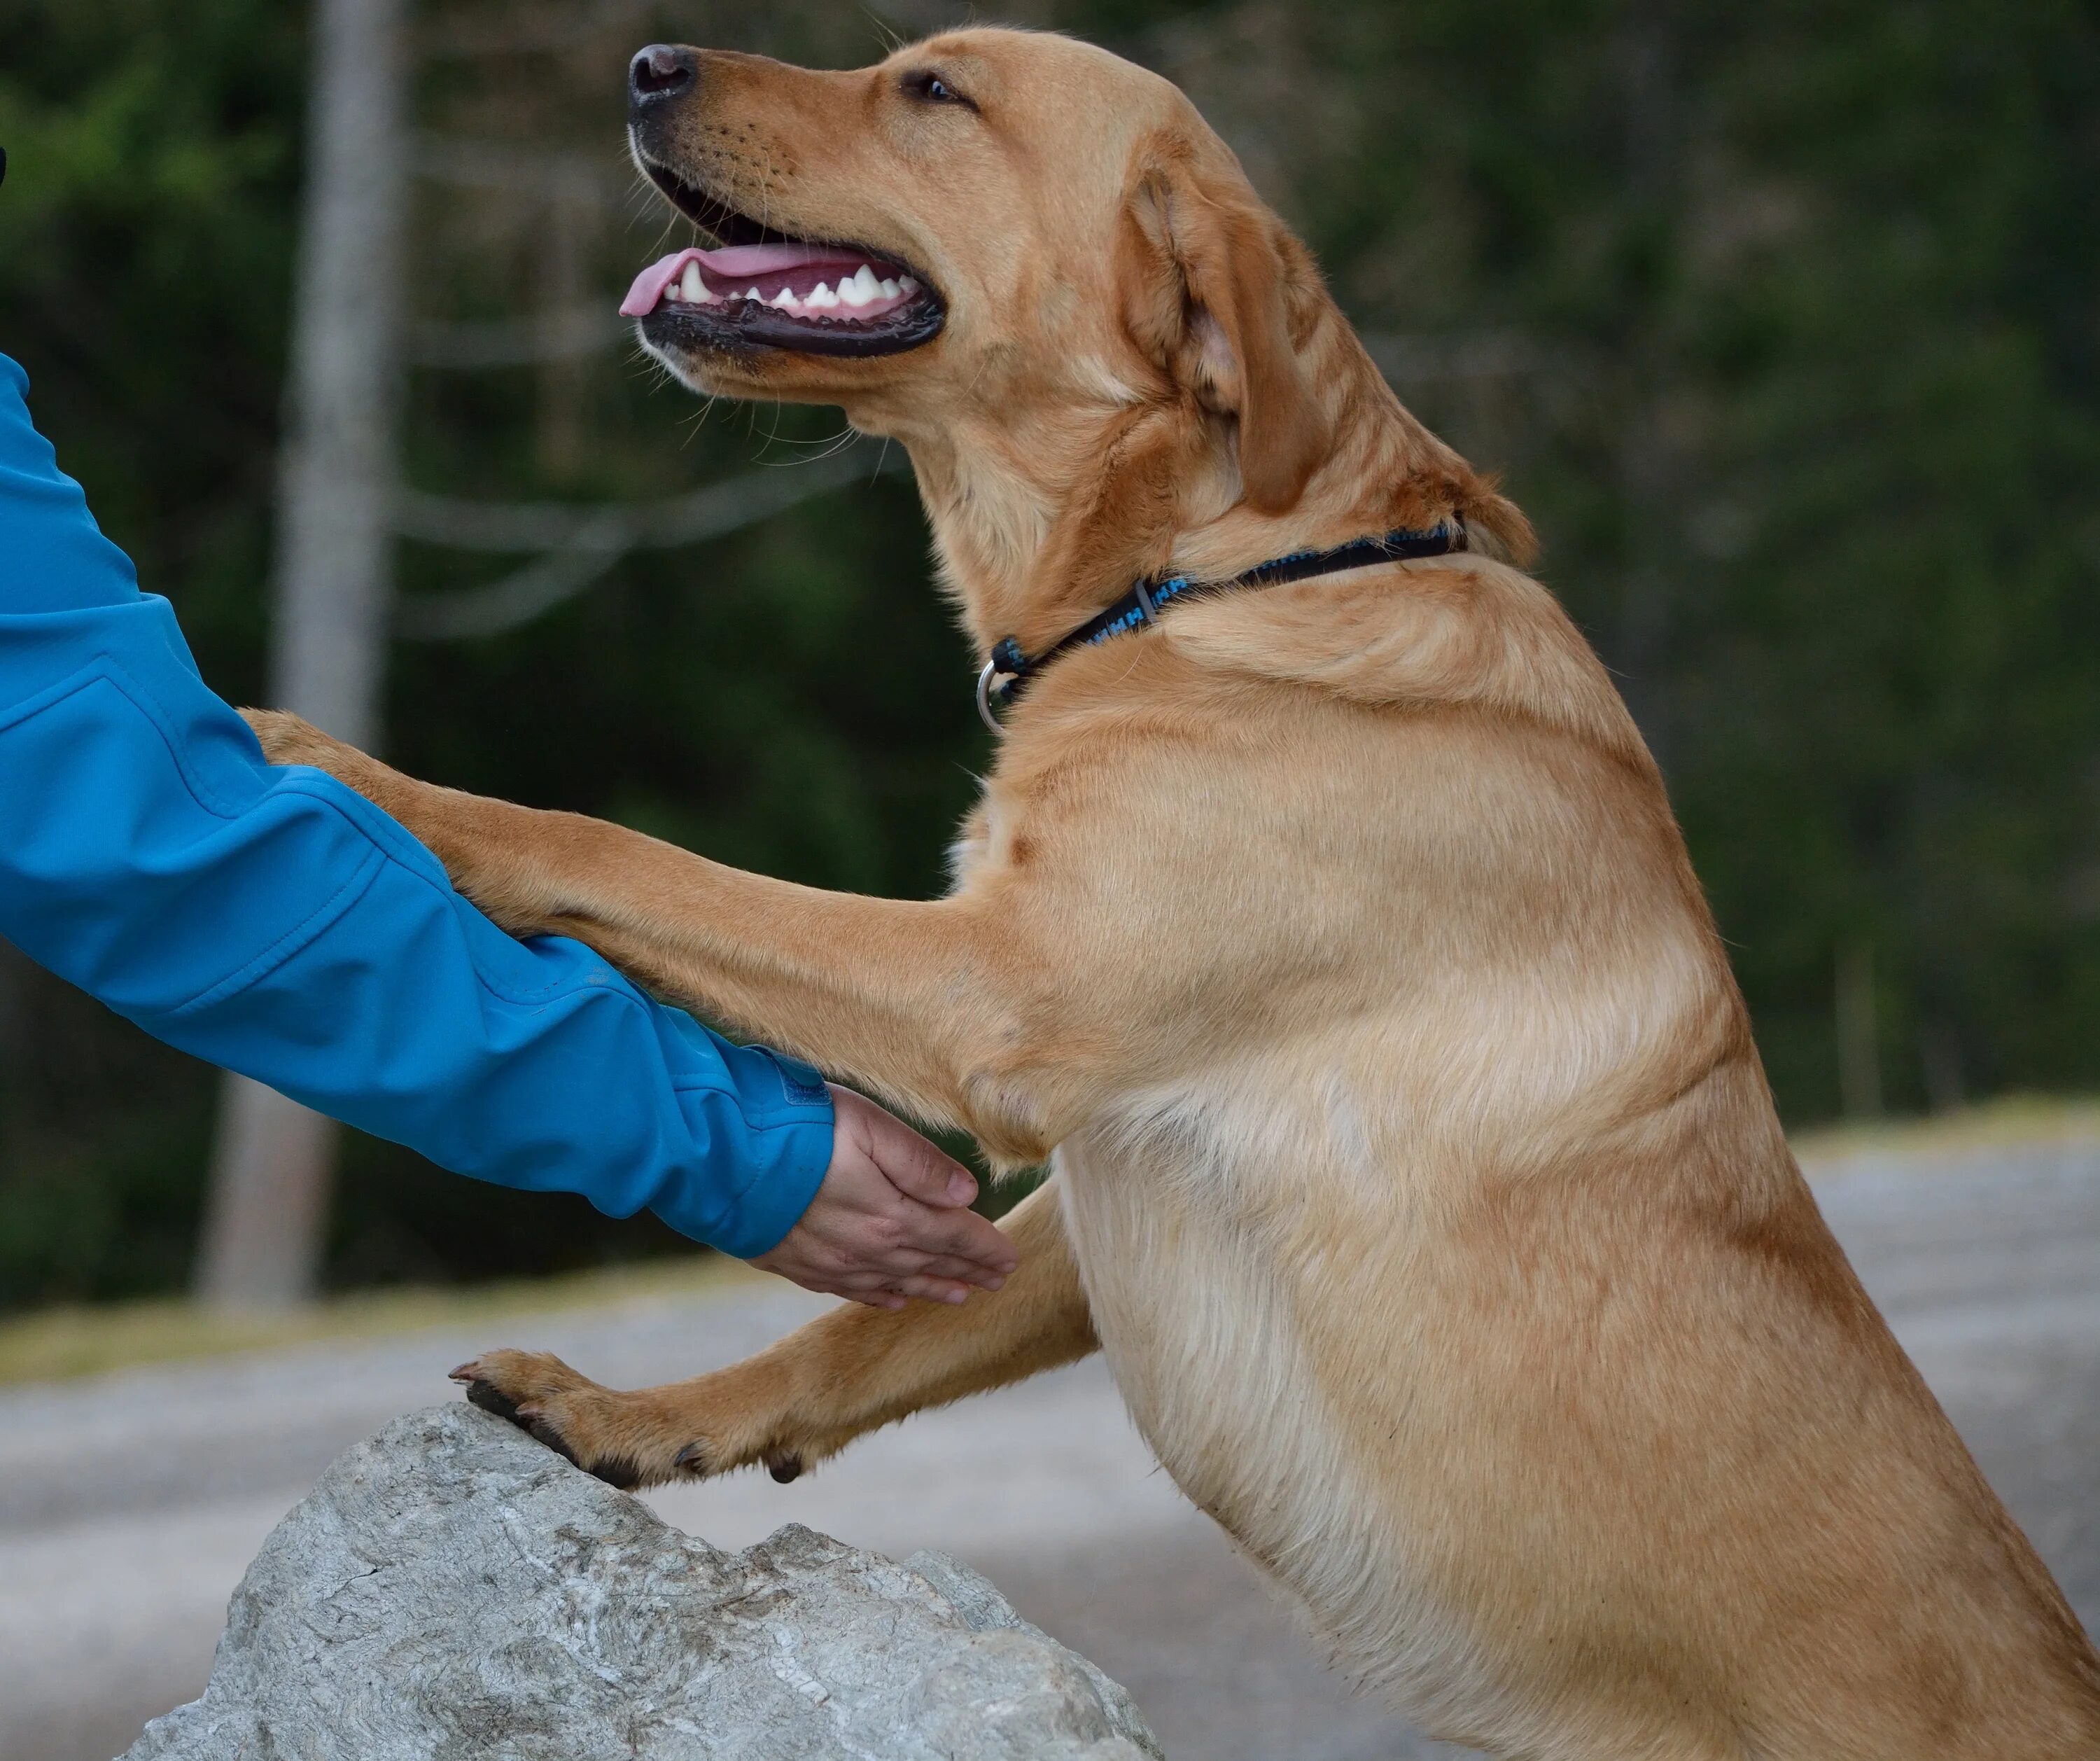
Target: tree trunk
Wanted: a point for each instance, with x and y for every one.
(272, 1165)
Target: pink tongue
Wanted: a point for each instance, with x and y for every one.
(649, 286)
(762, 259)
(733, 260)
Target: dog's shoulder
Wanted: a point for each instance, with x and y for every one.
(1466, 630)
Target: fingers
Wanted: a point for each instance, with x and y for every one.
(962, 1272)
(912, 1165)
(958, 1244)
(891, 1221)
(923, 1281)
(947, 1295)
(933, 1290)
(887, 1283)
(910, 1233)
(965, 1235)
(910, 1259)
(893, 1289)
(936, 1290)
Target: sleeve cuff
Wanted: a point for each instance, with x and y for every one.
(780, 1113)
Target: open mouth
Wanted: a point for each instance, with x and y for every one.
(761, 288)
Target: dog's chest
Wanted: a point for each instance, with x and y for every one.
(1201, 1320)
(1189, 1307)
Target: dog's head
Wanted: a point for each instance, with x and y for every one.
(990, 219)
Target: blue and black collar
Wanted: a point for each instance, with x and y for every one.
(1148, 599)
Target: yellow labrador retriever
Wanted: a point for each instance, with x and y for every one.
(1326, 928)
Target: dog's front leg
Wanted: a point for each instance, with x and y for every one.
(920, 1000)
(805, 1398)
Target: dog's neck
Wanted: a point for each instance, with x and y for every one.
(1044, 511)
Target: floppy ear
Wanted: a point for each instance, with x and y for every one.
(1203, 289)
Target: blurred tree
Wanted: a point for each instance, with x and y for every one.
(273, 1161)
(1780, 321)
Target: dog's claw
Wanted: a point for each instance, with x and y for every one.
(784, 1467)
(465, 1372)
(692, 1459)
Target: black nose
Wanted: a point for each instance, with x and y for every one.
(661, 71)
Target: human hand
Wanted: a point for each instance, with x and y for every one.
(892, 1220)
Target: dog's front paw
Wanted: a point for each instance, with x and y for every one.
(603, 1431)
(693, 1431)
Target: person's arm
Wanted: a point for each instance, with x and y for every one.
(274, 922)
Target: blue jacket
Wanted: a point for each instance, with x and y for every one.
(276, 922)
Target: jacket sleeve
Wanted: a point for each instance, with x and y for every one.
(273, 921)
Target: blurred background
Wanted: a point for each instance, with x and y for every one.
(1781, 320)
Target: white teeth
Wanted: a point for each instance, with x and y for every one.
(863, 287)
(860, 287)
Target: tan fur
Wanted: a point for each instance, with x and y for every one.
(1415, 1169)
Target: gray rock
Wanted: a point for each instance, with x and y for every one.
(450, 1591)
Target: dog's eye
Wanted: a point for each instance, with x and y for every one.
(930, 87)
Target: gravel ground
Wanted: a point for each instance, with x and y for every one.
(129, 1504)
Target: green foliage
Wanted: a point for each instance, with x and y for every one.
(1809, 418)
(1779, 319)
